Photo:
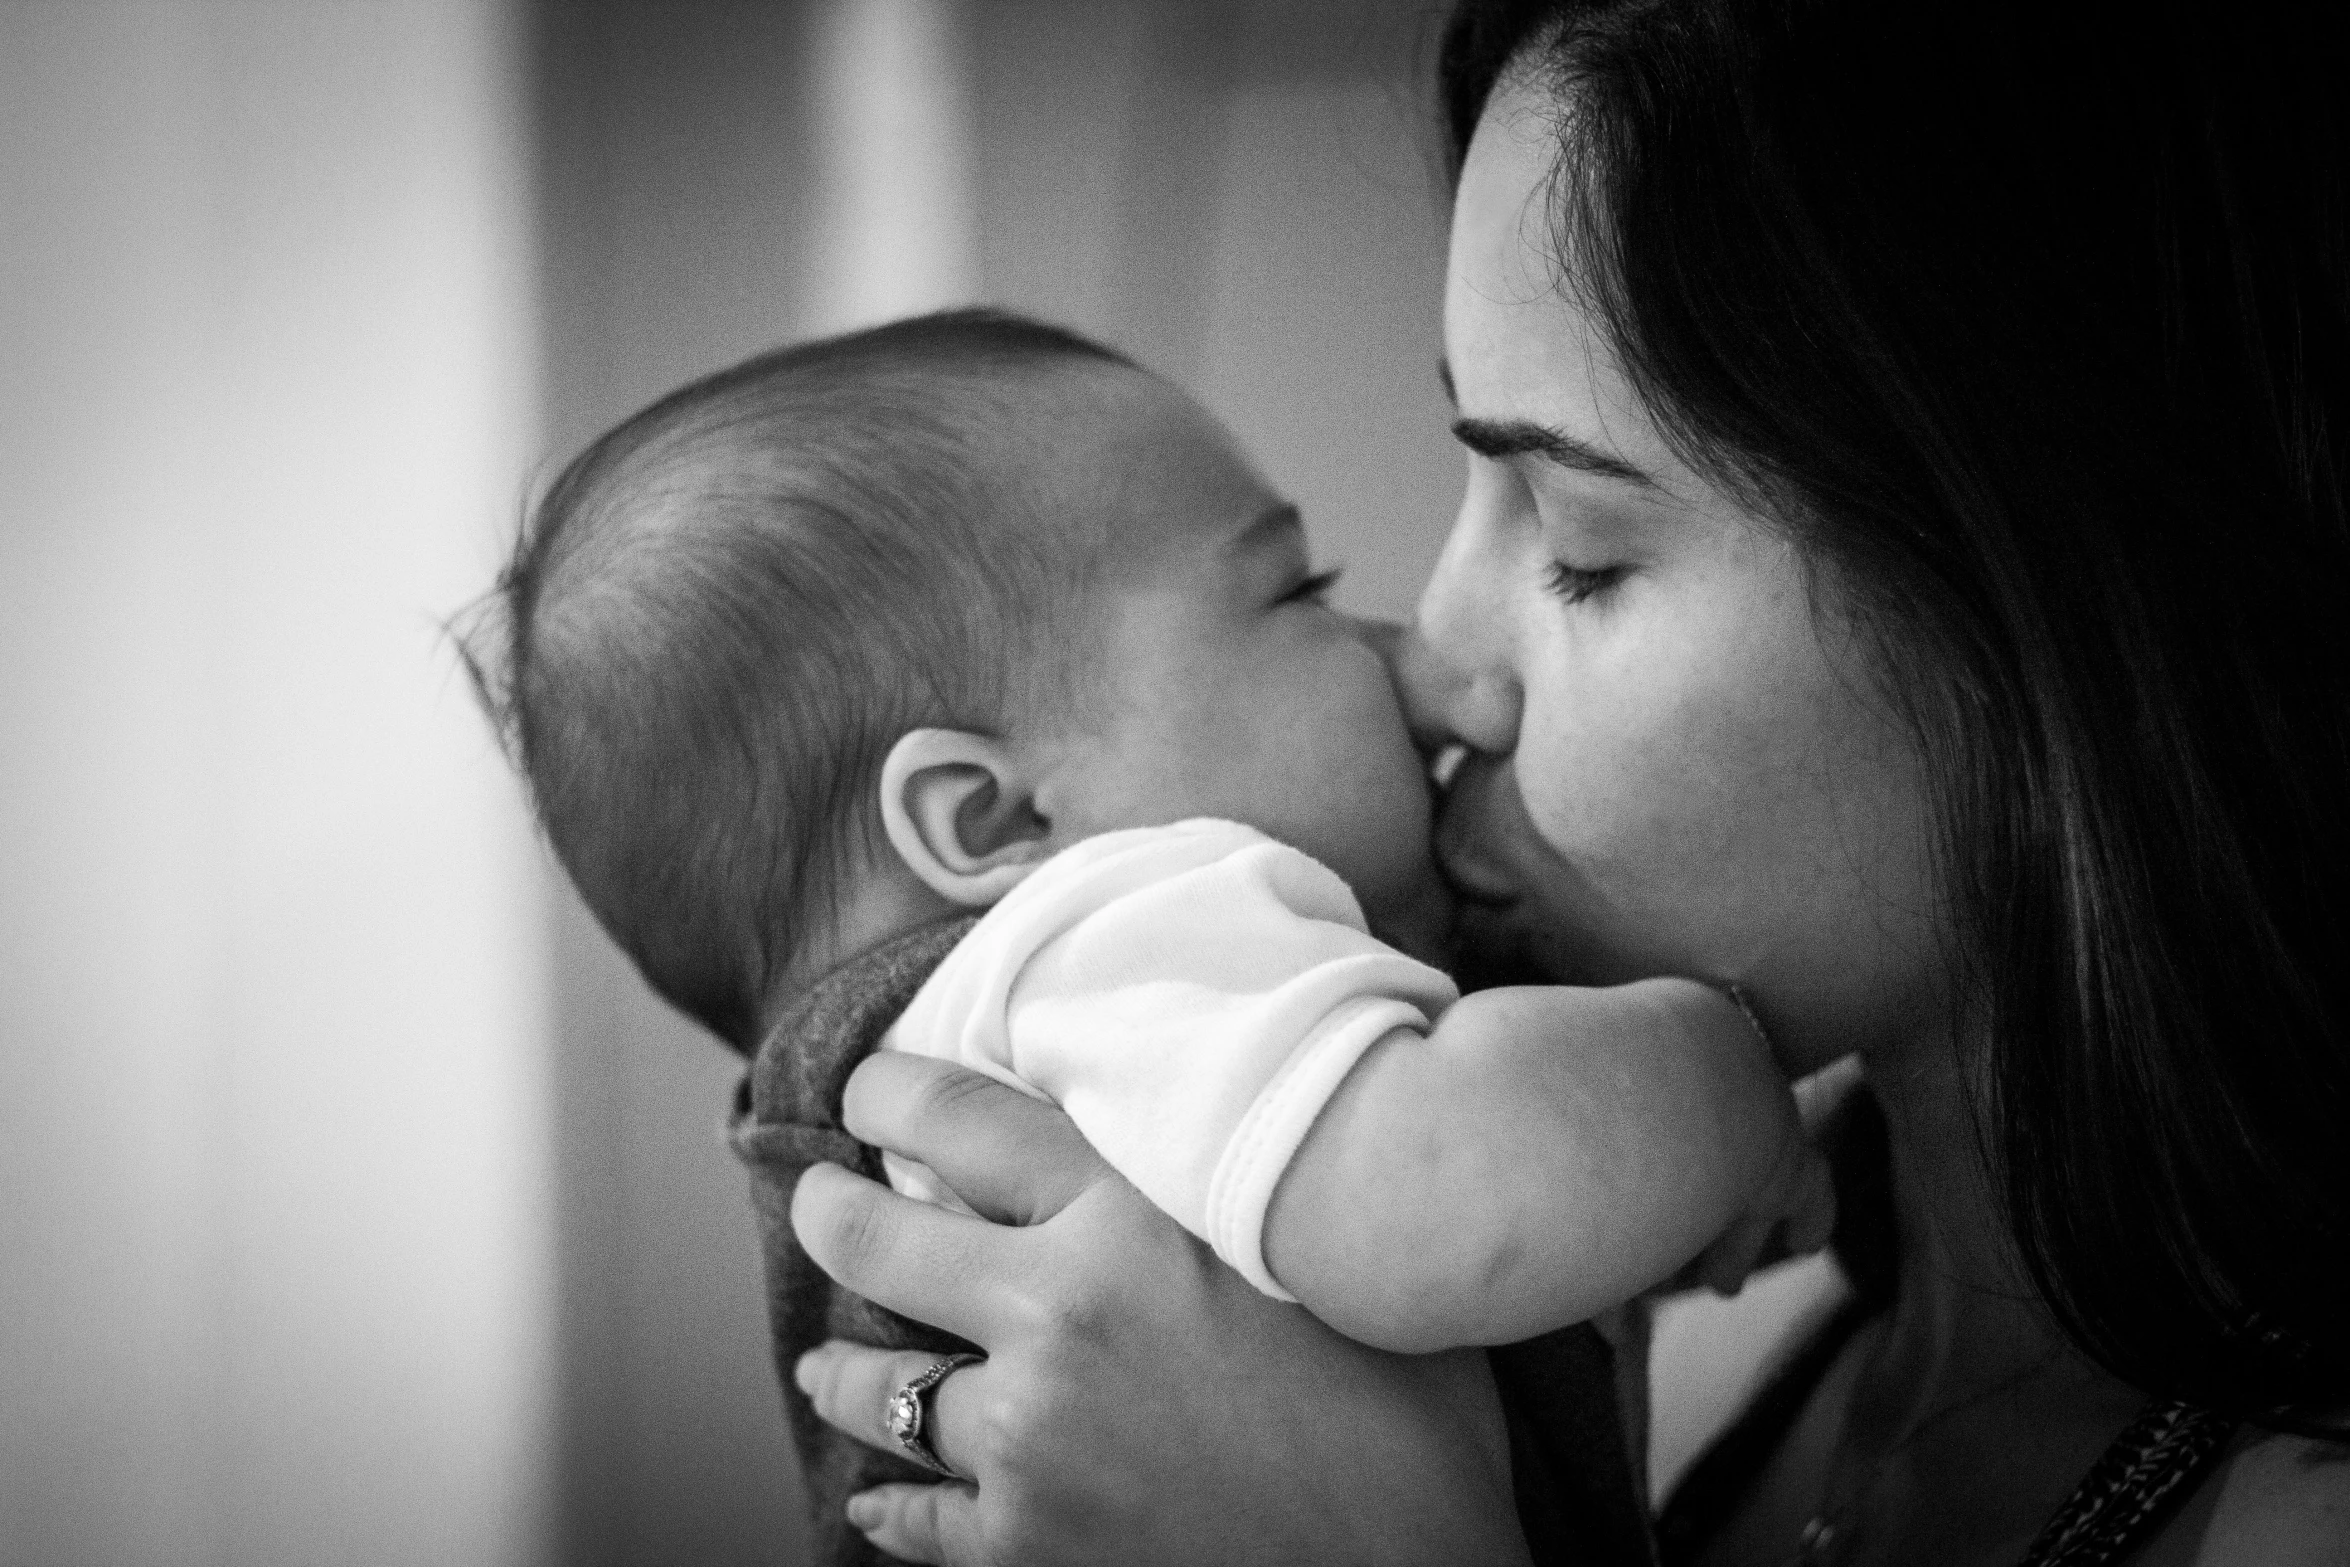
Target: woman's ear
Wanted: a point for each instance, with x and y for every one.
(958, 817)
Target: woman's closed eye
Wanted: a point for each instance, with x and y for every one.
(1574, 584)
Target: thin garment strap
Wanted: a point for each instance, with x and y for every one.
(2124, 1499)
(2129, 1493)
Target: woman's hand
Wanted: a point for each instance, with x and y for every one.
(1140, 1402)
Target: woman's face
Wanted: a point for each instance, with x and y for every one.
(1677, 762)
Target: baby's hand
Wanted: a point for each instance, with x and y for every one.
(1796, 1213)
(1793, 1220)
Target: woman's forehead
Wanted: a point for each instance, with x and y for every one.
(1502, 203)
(1521, 342)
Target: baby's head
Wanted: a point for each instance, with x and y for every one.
(858, 632)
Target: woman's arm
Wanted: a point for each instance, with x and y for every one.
(1544, 1154)
(1140, 1403)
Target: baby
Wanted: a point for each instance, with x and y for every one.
(968, 614)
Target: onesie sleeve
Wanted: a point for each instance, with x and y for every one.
(1195, 1023)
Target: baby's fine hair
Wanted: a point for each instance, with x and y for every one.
(721, 615)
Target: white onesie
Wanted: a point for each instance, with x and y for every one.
(1192, 996)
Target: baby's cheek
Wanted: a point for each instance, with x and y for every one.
(1392, 819)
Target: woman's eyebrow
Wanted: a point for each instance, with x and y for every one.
(1524, 438)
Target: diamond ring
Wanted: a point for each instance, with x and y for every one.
(908, 1412)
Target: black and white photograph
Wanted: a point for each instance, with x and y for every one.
(1174, 783)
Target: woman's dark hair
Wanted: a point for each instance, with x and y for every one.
(2031, 323)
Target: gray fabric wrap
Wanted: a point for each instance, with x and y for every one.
(1576, 1492)
(786, 1118)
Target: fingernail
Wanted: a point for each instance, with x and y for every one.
(865, 1510)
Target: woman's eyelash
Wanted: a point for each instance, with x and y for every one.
(1574, 584)
(1316, 588)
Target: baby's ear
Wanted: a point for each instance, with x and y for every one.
(957, 815)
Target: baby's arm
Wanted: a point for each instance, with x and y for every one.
(1543, 1154)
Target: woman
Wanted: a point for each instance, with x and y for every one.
(1898, 573)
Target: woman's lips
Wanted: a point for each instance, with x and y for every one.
(1473, 877)
(1472, 871)
(1474, 883)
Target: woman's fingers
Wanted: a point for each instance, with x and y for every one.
(851, 1386)
(1015, 1159)
(932, 1264)
(938, 1524)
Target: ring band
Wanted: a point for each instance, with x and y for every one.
(908, 1412)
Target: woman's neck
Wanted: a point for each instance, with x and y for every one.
(1968, 1356)
(1966, 1315)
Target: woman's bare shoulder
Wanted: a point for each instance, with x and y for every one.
(2283, 1501)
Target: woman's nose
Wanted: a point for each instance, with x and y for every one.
(1443, 703)
(1455, 666)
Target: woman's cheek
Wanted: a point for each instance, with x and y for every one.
(1559, 796)
(1635, 799)
(1585, 773)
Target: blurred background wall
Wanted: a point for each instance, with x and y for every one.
(276, 1271)
(359, 1205)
